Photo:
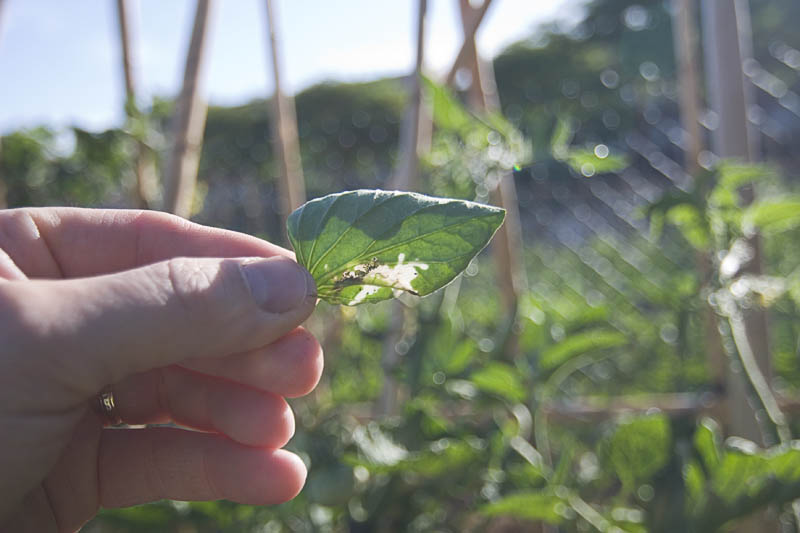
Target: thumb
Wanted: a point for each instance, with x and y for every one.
(95, 331)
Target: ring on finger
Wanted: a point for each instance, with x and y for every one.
(106, 406)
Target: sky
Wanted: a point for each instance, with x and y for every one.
(60, 61)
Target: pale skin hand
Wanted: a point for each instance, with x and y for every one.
(183, 327)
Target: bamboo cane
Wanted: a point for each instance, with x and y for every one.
(284, 129)
(144, 166)
(188, 123)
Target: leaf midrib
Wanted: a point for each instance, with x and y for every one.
(345, 232)
(322, 220)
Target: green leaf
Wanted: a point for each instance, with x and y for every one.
(774, 215)
(448, 112)
(696, 495)
(690, 221)
(560, 139)
(544, 506)
(586, 318)
(369, 245)
(444, 457)
(745, 471)
(639, 448)
(707, 444)
(499, 379)
(441, 457)
(580, 343)
(459, 356)
(746, 478)
(587, 161)
(733, 174)
(478, 132)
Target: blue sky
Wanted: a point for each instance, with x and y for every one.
(59, 60)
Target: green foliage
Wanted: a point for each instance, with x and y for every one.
(584, 161)
(449, 114)
(361, 246)
(579, 344)
(773, 215)
(501, 380)
(707, 443)
(38, 172)
(330, 485)
(724, 201)
(470, 152)
(726, 482)
(589, 163)
(617, 313)
(167, 517)
(639, 448)
(349, 134)
(732, 481)
(686, 210)
(439, 458)
(539, 506)
(710, 214)
(479, 132)
(690, 222)
(590, 75)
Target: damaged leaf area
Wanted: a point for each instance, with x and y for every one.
(370, 245)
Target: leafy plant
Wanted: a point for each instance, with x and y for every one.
(367, 245)
(638, 449)
(469, 152)
(735, 479)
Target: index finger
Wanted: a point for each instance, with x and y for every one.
(67, 242)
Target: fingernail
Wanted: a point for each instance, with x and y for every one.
(278, 284)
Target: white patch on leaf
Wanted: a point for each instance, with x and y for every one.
(399, 276)
(366, 290)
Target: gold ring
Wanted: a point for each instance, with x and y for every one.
(107, 407)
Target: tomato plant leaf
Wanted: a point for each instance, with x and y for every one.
(369, 245)
(541, 505)
(707, 444)
(580, 343)
(773, 215)
(499, 379)
(639, 448)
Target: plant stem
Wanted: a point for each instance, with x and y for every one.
(754, 374)
(540, 425)
(588, 513)
(759, 383)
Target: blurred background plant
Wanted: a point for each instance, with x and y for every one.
(627, 355)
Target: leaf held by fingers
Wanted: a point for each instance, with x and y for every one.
(370, 245)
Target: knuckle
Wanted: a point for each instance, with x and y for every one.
(189, 277)
(198, 281)
(209, 293)
(18, 229)
(191, 283)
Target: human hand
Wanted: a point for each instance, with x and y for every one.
(187, 323)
